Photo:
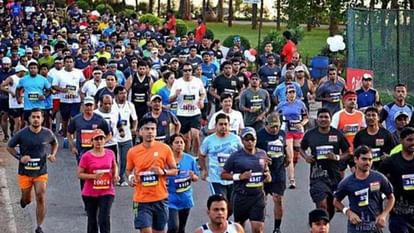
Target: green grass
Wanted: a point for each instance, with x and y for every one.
(310, 46)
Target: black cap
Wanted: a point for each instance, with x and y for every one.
(317, 215)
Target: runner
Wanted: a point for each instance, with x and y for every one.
(328, 147)
(148, 164)
(111, 115)
(217, 212)
(180, 198)
(98, 169)
(319, 221)
(367, 96)
(330, 92)
(248, 169)
(399, 169)
(364, 189)
(32, 156)
(91, 86)
(273, 141)
(217, 148)
(236, 118)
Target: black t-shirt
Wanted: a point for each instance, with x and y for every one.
(239, 162)
(274, 145)
(35, 145)
(227, 85)
(380, 143)
(400, 173)
(320, 145)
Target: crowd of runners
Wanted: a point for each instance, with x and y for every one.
(139, 106)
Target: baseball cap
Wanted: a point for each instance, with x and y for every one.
(318, 214)
(367, 76)
(248, 130)
(156, 97)
(98, 133)
(173, 60)
(299, 68)
(29, 50)
(88, 100)
(20, 68)
(401, 113)
(236, 38)
(6, 60)
(273, 119)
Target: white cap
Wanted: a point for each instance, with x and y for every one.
(6, 60)
(29, 50)
(20, 68)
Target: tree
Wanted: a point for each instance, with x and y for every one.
(150, 6)
(185, 9)
(220, 11)
(278, 10)
(230, 19)
(254, 16)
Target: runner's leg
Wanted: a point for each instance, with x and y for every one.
(40, 191)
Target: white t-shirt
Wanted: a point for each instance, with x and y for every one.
(112, 119)
(236, 121)
(187, 101)
(72, 81)
(90, 88)
(126, 111)
(12, 100)
(53, 73)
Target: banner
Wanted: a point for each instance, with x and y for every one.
(251, 1)
(354, 77)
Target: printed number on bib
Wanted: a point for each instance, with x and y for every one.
(222, 158)
(408, 182)
(376, 154)
(323, 151)
(33, 164)
(255, 181)
(148, 178)
(105, 181)
(139, 97)
(275, 149)
(363, 197)
(86, 137)
(182, 182)
(33, 96)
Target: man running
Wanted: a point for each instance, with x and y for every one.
(33, 141)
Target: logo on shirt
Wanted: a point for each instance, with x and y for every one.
(333, 138)
(374, 186)
(156, 154)
(379, 142)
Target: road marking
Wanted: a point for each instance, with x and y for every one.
(5, 196)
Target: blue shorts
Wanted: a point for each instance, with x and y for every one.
(68, 111)
(401, 224)
(151, 214)
(224, 190)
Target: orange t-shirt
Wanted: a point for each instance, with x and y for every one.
(349, 124)
(152, 187)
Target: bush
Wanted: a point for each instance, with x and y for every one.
(128, 12)
(102, 7)
(181, 28)
(210, 34)
(228, 42)
(84, 5)
(150, 18)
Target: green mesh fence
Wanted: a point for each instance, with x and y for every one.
(382, 41)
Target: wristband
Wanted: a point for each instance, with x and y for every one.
(344, 210)
(236, 176)
(165, 171)
(130, 177)
(337, 157)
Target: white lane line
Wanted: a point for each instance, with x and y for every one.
(5, 197)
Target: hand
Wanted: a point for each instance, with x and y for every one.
(200, 104)
(246, 175)
(116, 179)
(353, 218)
(51, 158)
(74, 151)
(204, 174)
(177, 92)
(25, 158)
(287, 162)
(309, 159)
(98, 176)
(299, 126)
(157, 170)
(380, 221)
(259, 118)
(132, 180)
(134, 132)
(331, 156)
(42, 97)
(384, 156)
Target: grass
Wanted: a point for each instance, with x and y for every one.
(310, 45)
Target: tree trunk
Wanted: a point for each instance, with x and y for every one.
(278, 9)
(372, 4)
(184, 9)
(159, 8)
(150, 6)
(136, 5)
(220, 11)
(254, 16)
(230, 19)
(203, 9)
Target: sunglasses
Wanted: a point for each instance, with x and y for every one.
(187, 70)
(367, 79)
(249, 139)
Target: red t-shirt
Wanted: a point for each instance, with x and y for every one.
(200, 32)
(287, 51)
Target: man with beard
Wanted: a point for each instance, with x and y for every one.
(5, 72)
(364, 189)
(33, 142)
(328, 147)
(270, 74)
(330, 92)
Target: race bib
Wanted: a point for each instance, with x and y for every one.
(292, 124)
(335, 96)
(363, 197)
(275, 149)
(408, 182)
(86, 137)
(148, 178)
(173, 106)
(105, 181)
(351, 129)
(255, 181)
(182, 182)
(229, 91)
(33, 96)
(272, 80)
(139, 97)
(189, 98)
(71, 92)
(222, 158)
(323, 151)
(376, 154)
(256, 102)
(33, 164)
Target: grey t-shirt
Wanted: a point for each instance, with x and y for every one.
(34, 145)
(259, 100)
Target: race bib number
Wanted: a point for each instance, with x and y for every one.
(272, 80)
(182, 182)
(139, 97)
(351, 129)
(148, 179)
(335, 96)
(255, 181)
(105, 181)
(363, 197)
(256, 102)
(173, 106)
(86, 137)
(33, 164)
(323, 151)
(33, 96)
(408, 182)
(292, 124)
(71, 92)
(222, 158)
(229, 91)
(376, 154)
(275, 149)
(189, 98)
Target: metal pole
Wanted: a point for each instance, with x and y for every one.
(398, 45)
(371, 61)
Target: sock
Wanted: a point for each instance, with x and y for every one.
(277, 223)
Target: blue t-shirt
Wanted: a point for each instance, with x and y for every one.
(364, 198)
(218, 150)
(165, 95)
(292, 113)
(48, 100)
(209, 70)
(366, 98)
(179, 187)
(389, 111)
(163, 125)
(331, 90)
(34, 87)
(280, 91)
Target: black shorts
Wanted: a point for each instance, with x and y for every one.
(16, 112)
(69, 110)
(188, 123)
(275, 188)
(321, 189)
(247, 207)
(4, 105)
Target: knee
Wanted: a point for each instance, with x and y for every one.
(40, 198)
